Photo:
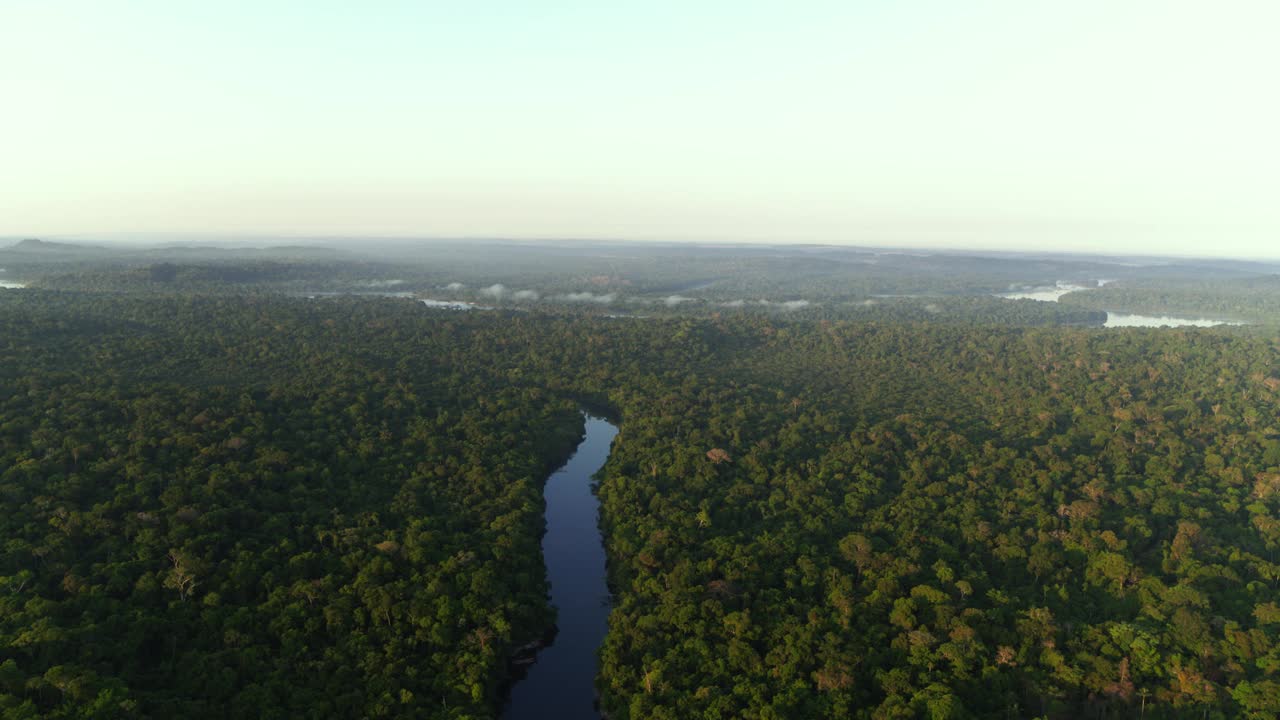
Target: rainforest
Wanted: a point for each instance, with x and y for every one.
(228, 499)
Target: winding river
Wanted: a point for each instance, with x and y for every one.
(561, 684)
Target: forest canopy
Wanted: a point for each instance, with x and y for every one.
(226, 506)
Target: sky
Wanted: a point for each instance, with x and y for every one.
(1127, 126)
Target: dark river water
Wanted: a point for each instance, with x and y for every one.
(561, 684)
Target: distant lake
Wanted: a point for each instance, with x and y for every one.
(1114, 319)
(561, 683)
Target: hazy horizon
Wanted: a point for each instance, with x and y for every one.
(355, 242)
(1134, 129)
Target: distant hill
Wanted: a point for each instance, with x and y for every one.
(34, 245)
(237, 250)
(65, 250)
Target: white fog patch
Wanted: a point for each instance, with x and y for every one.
(450, 304)
(454, 286)
(496, 290)
(1122, 320)
(1049, 294)
(12, 285)
(673, 300)
(603, 299)
(932, 308)
(869, 302)
(525, 295)
(1043, 294)
(781, 304)
(382, 283)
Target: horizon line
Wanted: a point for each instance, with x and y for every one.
(186, 237)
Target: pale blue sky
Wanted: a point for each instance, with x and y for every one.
(1121, 125)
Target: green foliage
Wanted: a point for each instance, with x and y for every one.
(213, 509)
(269, 507)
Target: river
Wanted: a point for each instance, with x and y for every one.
(561, 684)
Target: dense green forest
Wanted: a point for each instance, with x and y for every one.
(219, 508)
(223, 506)
(955, 524)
